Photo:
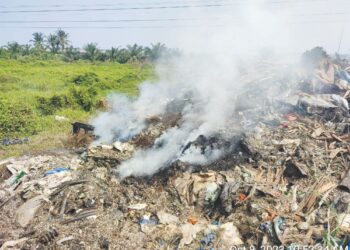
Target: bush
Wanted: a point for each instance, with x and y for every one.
(85, 97)
(48, 106)
(17, 119)
(87, 79)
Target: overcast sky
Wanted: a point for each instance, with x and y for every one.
(116, 22)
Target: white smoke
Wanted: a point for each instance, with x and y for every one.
(210, 73)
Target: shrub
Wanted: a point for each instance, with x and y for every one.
(89, 79)
(48, 106)
(85, 97)
(17, 119)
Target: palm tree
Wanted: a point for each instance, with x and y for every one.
(155, 51)
(112, 54)
(123, 56)
(71, 54)
(38, 40)
(62, 38)
(135, 51)
(14, 48)
(3, 51)
(26, 49)
(91, 51)
(53, 43)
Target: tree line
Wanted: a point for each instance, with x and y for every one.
(57, 44)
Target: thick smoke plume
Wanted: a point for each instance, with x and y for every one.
(205, 82)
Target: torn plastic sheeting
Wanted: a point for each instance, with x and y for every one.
(138, 206)
(297, 142)
(166, 218)
(208, 241)
(324, 101)
(344, 75)
(26, 212)
(148, 224)
(123, 147)
(12, 244)
(274, 229)
(203, 189)
(313, 101)
(229, 235)
(343, 220)
(226, 196)
(189, 233)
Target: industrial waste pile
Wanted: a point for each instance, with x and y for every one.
(279, 176)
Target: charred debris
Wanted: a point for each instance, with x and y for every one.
(281, 178)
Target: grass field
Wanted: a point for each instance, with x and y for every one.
(32, 93)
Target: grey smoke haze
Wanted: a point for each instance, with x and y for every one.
(313, 21)
(210, 75)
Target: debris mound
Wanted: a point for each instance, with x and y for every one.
(276, 175)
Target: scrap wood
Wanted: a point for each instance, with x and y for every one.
(61, 241)
(7, 200)
(64, 202)
(315, 191)
(317, 132)
(80, 216)
(252, 191)
(66, 184)
(336, 137)
(333, 153)
(269, 190)
(333, 136)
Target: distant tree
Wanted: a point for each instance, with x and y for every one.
(135, 51)
(112, 54)
(26, 50)
(91, 51)
(3, 52)
(53, 43)
(71, 54)
(38, 40)
(123, 56)
(62, 37)
(14, 48)
(102, 56)
(155, 51)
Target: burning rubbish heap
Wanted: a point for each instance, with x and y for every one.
(191, 172)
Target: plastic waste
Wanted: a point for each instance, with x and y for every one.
(166, 218)
(56, 170)
(18, 177)
(148, 220)
(138, 206)
(344, 75)
(26, 212)
(208, 241)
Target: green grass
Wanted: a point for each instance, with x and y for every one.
(78, 86)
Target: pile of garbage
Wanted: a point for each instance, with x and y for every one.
(283, 181)
(8, 142)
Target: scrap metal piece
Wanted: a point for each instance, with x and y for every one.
(345, 183)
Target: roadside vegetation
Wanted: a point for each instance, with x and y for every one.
(47, 85)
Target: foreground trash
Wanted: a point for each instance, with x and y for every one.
(285, 181)
(8, 142)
